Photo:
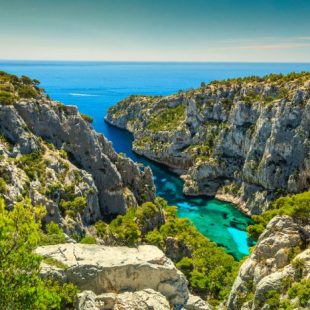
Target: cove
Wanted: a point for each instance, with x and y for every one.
(221, 222)
(95, 86)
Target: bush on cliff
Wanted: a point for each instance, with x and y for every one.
(6, 98)
(53, 235)
(297, 206)
(301, 290)
(27, 91)
(21, 286)
(12, 87)
(34, 165)
(129, 229)
(73, 207)
(88, 240)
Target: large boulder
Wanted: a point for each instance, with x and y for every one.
(103, 269)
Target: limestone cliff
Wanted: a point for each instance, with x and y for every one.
(279, 264)
(244, 140)
(50, 153)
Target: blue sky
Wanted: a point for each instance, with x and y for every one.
(156, 30)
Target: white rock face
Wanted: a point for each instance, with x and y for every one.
(196, 303)
(86, 301)
(147, 299)
(103, 269)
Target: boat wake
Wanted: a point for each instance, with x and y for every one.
(83, 95)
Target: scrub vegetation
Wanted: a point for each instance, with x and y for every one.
(167, 119)
(13, 88)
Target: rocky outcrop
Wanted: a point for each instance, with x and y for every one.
(104, 269)
(147, 299)
(176, 249)
(52, 155)
(280, 259)
(243, 139)
(119, 277)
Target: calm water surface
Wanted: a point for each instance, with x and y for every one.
(95, 86)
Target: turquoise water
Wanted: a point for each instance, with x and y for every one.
(95, 86)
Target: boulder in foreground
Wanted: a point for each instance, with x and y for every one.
(103, 269)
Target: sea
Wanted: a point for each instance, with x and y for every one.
(96, 86)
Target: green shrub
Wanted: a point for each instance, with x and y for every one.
(13, 87)
(6, 98)
(7, 87)
(74, 206)
(186, 265)
(26, 80)
(63, 154)
(299, 265)
(66, 294)
(53, 235)
(125, 230)
(154, 237)
(88, 240)
(146, 212)
(102, 229)
(27, 91)
(273, 299)
(302, 291)
(3, 187)
(34, 165)
(54, 262)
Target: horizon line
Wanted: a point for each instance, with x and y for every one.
(154, 61)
